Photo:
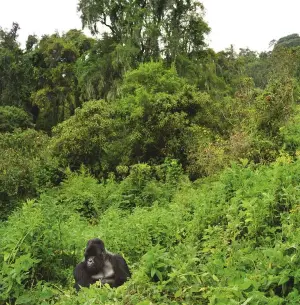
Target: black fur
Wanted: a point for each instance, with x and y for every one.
(100, 265)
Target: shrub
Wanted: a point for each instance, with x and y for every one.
(26, 167)
(12, 117)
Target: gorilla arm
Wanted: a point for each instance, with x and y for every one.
(82, 278)
(121, 270)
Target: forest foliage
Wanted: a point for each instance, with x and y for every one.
(182, 159)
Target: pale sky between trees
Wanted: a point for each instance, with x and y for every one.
(243, 23)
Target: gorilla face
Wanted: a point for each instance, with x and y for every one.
(90, 262)
(94, 256)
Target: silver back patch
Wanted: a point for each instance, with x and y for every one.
(106, 273)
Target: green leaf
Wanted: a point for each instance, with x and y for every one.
(145, 302)
(178, 293)
(153, 271)
(6, 256)
(159, 275)
(245, 285)
(247, 301)
(283, 279)
(24, 299)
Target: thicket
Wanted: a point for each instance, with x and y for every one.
(233, 239)
(183, 160)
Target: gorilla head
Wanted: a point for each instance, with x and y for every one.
(94, 256)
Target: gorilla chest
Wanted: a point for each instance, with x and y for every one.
(106, 272)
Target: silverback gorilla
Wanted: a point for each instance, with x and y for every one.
(100, 265)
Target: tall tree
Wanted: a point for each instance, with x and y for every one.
(56, 93)
(289, 41)
(100, 70)
(155, 28)
(14, 77)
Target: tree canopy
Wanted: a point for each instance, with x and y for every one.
(155, 28)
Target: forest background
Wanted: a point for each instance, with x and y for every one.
(182, 159)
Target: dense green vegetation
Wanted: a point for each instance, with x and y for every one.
(182, 159)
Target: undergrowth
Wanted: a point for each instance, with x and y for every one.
(229, 240)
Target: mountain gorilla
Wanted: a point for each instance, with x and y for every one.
(100, 265)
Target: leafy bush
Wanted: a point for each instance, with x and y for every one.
(26, 167)
(290, 135)
(86, 138)
(12, 117)
(157, 106)
(38, 244)
(144, 186)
